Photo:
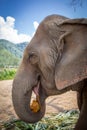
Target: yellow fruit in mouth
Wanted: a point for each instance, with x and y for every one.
(35, 106)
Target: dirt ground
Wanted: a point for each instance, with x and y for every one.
(55, 104)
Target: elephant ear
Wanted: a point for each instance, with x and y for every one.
(72, 67)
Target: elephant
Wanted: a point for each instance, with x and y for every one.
(54, 62)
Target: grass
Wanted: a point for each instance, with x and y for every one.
(6, 74)
(62, 121)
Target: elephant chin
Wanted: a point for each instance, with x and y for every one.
(21, 103)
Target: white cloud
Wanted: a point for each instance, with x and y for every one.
(2, 22)
(8, 32)
(10, 21)
(35, 23)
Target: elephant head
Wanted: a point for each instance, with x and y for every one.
(53, 62)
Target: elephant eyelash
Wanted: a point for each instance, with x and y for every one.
(31, 55)
(33, 58)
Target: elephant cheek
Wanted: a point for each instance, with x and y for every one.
(21, 103)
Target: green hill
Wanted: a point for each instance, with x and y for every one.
(10, 53)
(21, 46)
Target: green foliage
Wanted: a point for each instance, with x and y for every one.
(18, 125)
(7, 74)
(62, 121)
(10, 53)
(8, 59)
(11, 47)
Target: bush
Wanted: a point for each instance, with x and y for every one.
(7, 74)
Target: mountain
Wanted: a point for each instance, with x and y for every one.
(21, 46)
(10, 53)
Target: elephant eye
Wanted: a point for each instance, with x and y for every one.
(31, 55)
(33, 58)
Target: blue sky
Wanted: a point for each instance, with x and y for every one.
(26, 12)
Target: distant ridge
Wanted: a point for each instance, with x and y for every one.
(10, 53)
(21, 46)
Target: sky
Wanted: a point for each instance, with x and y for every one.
(20, 18)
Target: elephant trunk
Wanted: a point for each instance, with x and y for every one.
(21, 96)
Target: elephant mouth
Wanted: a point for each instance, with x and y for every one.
(39, 94)
(36, 89)
(35, 104)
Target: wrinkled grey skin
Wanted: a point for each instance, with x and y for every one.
(56, 61)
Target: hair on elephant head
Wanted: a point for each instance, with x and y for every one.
(54, 62)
